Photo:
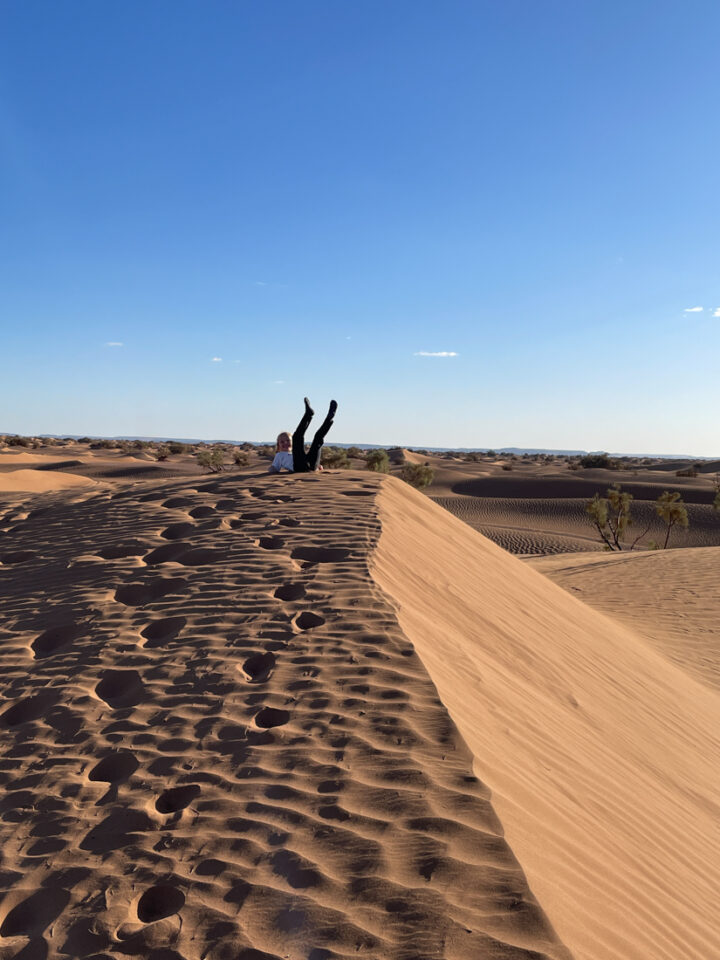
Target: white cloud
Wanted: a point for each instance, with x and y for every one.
(716, 312)
(260, 283)
(216, 360)
(693, 309)
(114, 343)
(438, 353)
(278, 381)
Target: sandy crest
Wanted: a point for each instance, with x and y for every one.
(602, 756)
(218, 743)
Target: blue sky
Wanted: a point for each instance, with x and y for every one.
(319, 193)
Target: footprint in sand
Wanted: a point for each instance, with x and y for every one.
(177, 798)
(259, 667)
(290, 591)
(159, 632)
(320, 554)
(138, 594)
(115, 767)
(17, 556)
(54, 639)
(120, 688)
(159, 902)
(307, 620)
(31, 708)
(178, 531)
(271, 543)
(271, 717)
(201, 513)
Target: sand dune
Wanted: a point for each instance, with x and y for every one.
(671, 597)
(33, 481)
(219, 743)
(602, 756)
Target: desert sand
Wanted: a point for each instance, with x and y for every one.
(309, 717)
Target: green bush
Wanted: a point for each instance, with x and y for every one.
(417, 474)
(378, 461)
(211, 460)
(335, 458)
(17, 442)
(241, 458)
(598, 460)
(176, 447)
(162, 452)
(671, 509)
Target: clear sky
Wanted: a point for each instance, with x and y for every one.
(480, 223)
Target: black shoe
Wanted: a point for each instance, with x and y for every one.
(308, 408)
(333, 408)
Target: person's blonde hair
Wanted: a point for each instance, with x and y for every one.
(283, 433)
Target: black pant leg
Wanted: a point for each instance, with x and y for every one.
(300, 460)
(315, 452)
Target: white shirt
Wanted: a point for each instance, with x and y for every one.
(283, 461)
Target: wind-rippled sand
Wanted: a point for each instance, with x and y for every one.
(219, 742)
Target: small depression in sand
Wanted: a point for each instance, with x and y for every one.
(29, 709)
(159, 902)
(270, 717)
(54, 639)
(115, 767)
(138, 594)
(320, 554)
(159, 632)
(175, 799)
(259, 667)
(307, 620)
(121, 688)
(290, 591)
(178, 531)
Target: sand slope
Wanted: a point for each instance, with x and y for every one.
(603, 756)
(33, 481)
(218, 743)
(671, 597)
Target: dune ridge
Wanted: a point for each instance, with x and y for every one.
(602, 756)
(218, 743)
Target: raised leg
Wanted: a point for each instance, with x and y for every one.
(300, 464)
(315, 451)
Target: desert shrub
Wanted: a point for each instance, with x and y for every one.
(103, 444)
(491, 453)
(335, 458)
(507, 466)
(598, 460)
(611, 516)
(573, 466)
(378, 461)
(211, 460)
(83, 440)
(417, 474)
(266, 451)
(241, 458)
(162, 452)
(671, 509)
(687, 472)
(176, 447)
(17, 442)
(355, 453)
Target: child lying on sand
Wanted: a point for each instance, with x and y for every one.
(299, 461)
